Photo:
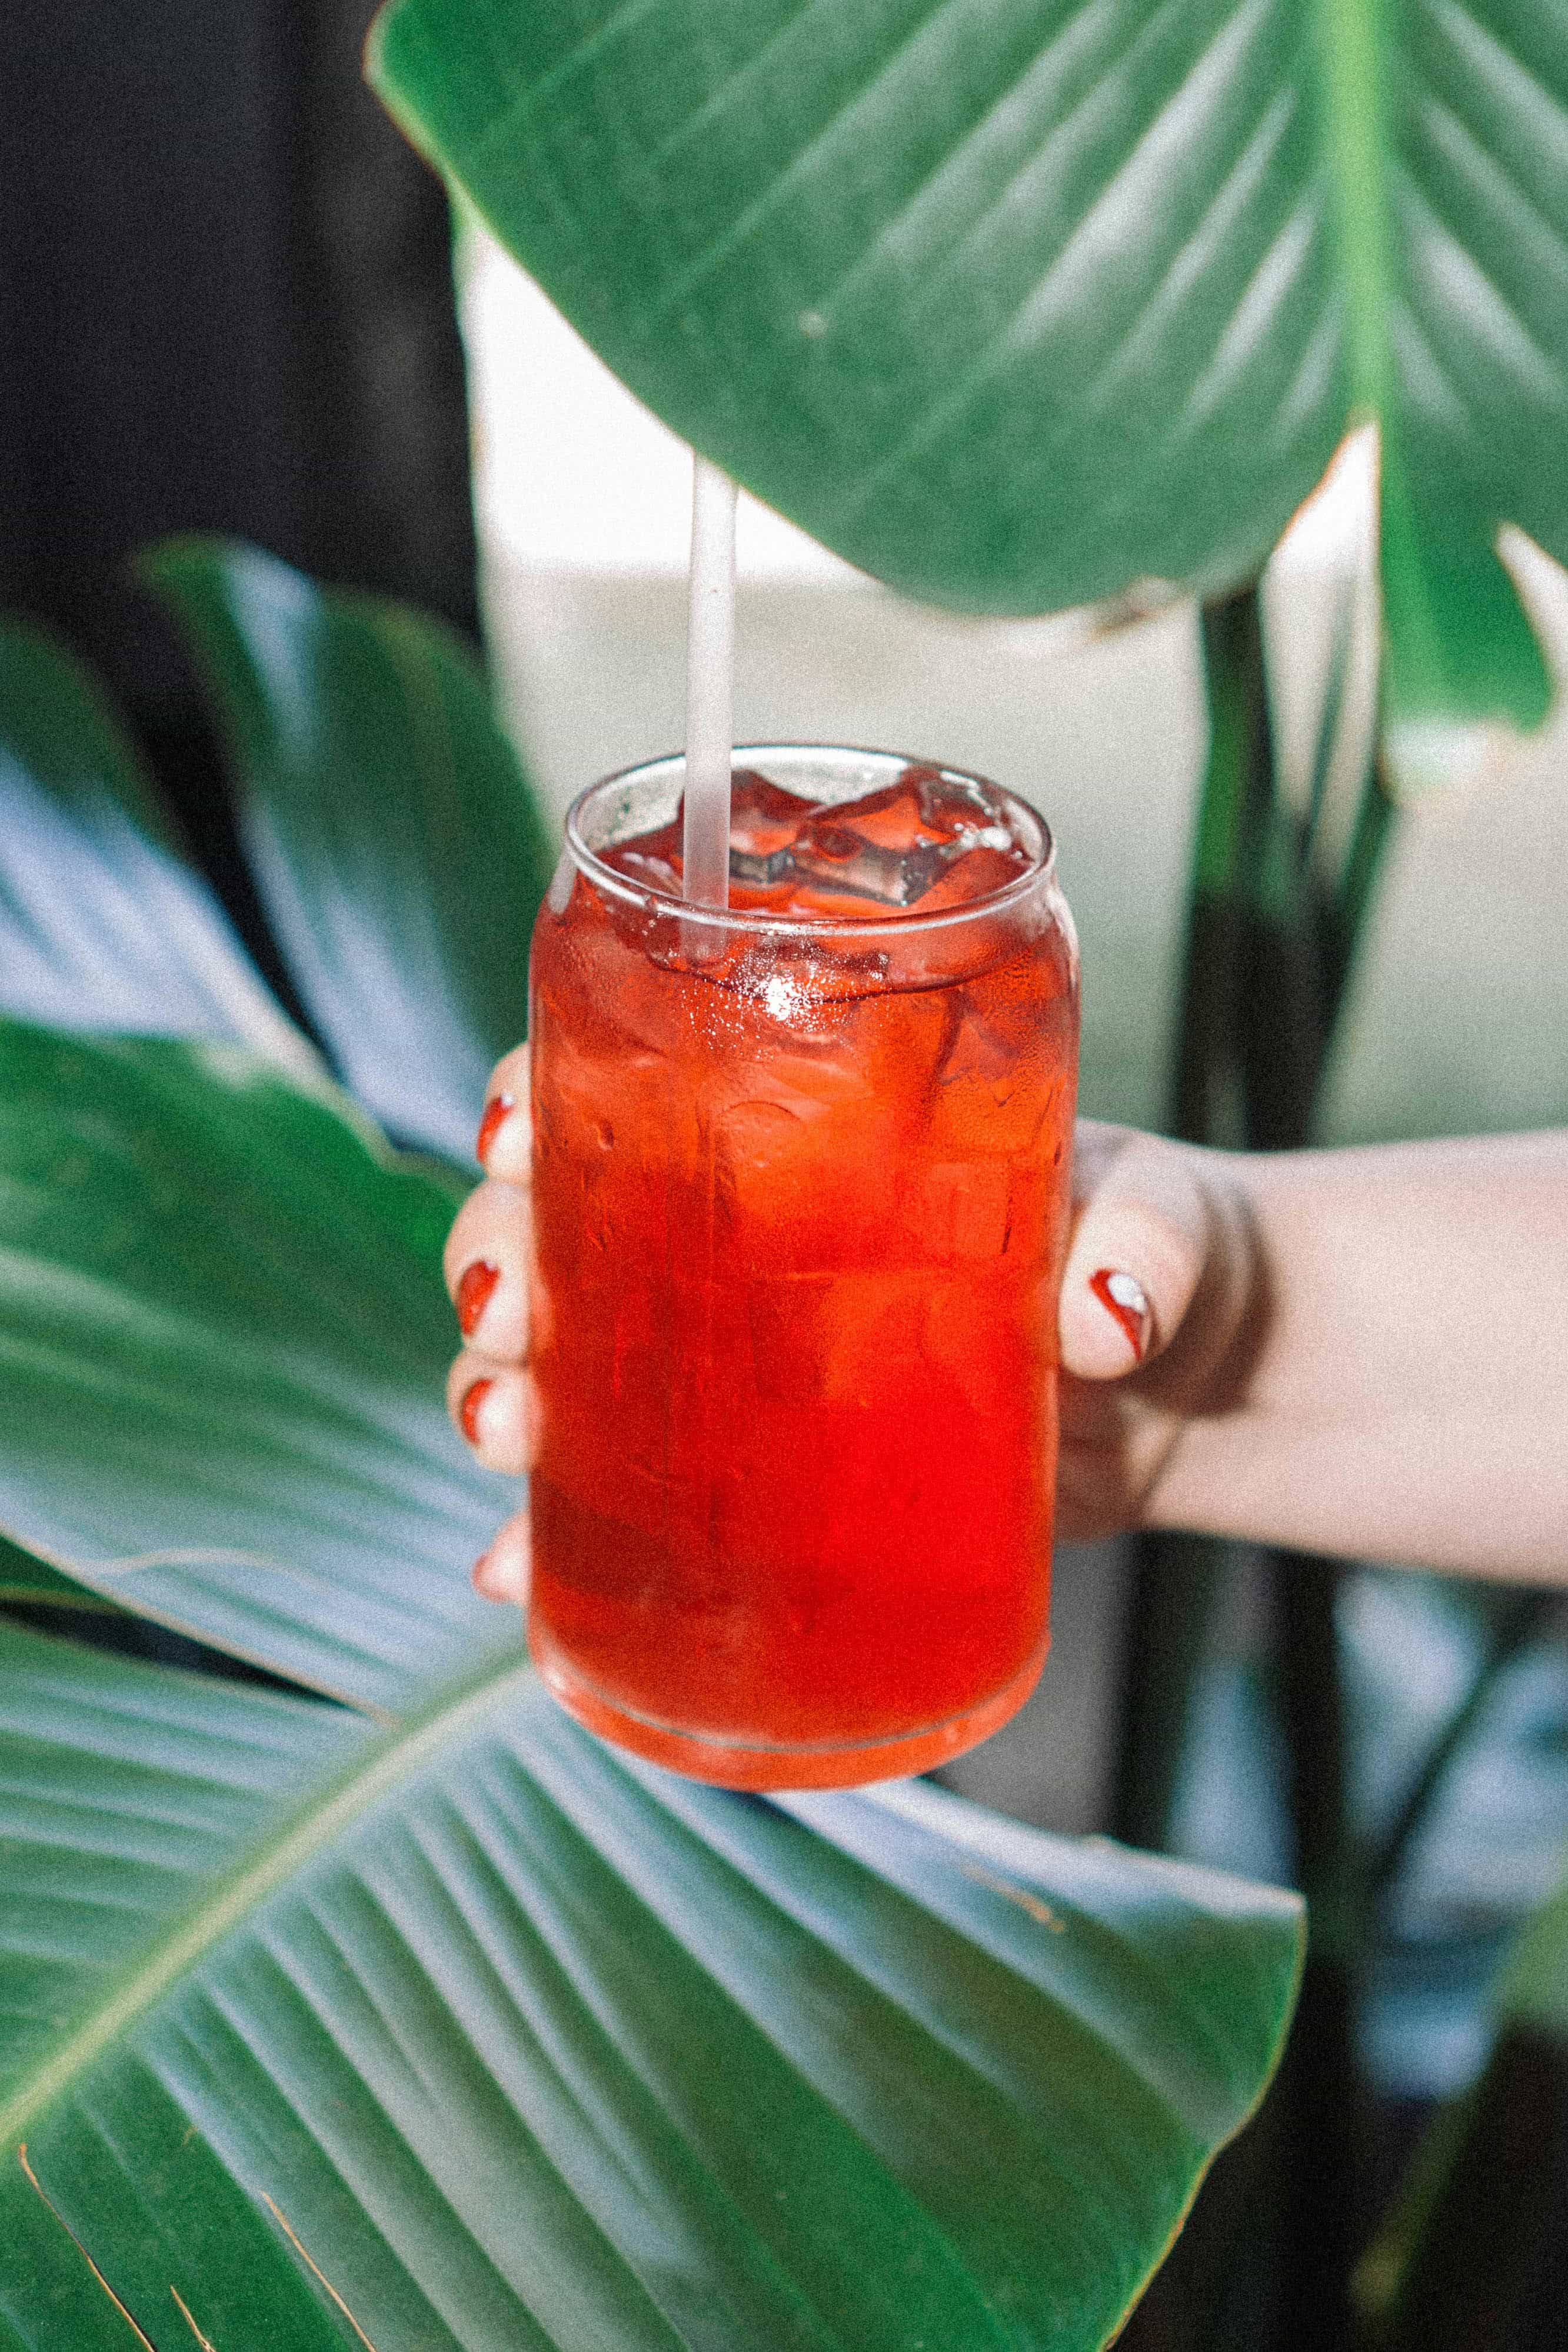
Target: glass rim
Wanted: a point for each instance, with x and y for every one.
(764, 918)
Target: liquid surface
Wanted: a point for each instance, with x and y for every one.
(929, 841)
(800, 1209)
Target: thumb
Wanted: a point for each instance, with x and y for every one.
(1140, 1242)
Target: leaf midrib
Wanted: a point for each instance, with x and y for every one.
(1349, 39)
(294, 1841)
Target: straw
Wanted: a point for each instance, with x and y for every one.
(710, 686)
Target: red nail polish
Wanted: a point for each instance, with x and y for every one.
(1121, 1295)
(468, 1411)
(496, 1110)
(475, 1289)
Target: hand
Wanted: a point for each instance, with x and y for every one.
(1159, 1278)
(1160, 1319)
(486, 1262)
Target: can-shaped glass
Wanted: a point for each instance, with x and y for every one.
(800, 1209)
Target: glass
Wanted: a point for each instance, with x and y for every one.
(799, 1202)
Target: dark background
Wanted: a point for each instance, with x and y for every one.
(226, 304)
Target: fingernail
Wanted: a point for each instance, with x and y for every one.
(1123, 1297)
(496, 1110)
(474, 1287)
(469, 1409)
(489, 1578)
(501, 1573)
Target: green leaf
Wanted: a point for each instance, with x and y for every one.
(517, 2045)
(223, 1342)
(32, 1581)
(397, 844)
(1017, 302)
(1533, 1988)
(103, 925)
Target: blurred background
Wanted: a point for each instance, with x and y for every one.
(232, 300)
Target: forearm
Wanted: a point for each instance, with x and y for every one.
(1399, 1389)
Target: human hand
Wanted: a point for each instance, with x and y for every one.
(1160, 1316)
(1158, 1279)
(488, 1265)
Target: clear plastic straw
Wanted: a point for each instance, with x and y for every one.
(710, 688)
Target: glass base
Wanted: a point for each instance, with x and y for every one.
(730, 1765)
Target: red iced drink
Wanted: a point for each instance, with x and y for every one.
(800, 1209)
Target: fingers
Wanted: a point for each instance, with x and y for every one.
(502, 1574)
(1143, 1232)
(495, 1407)
(487, 1263)
(505, 1134)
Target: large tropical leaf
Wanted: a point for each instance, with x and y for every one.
(507, 2043)
(520, 2045)
(398, 847)
(1017, 302)
(31, 1582)
(223, 1338)
(103, 924)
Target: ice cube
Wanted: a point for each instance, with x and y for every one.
(895, 846)
(959, 809)
(927, 831)
(834, 855)
(641, 866)
(764, 821)
(890, 818)
(652, 858)
(958, 1208)
(925, 807)
(974, 872)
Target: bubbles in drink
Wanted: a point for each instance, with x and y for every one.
(928, 841)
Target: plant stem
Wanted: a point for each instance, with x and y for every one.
(1363, 866)
(1175, 1577)
(1319, 2086)
(1269, 952)
(1175, 1581)
(1526, 1617)
(1238, 779)
(1488, 2269)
